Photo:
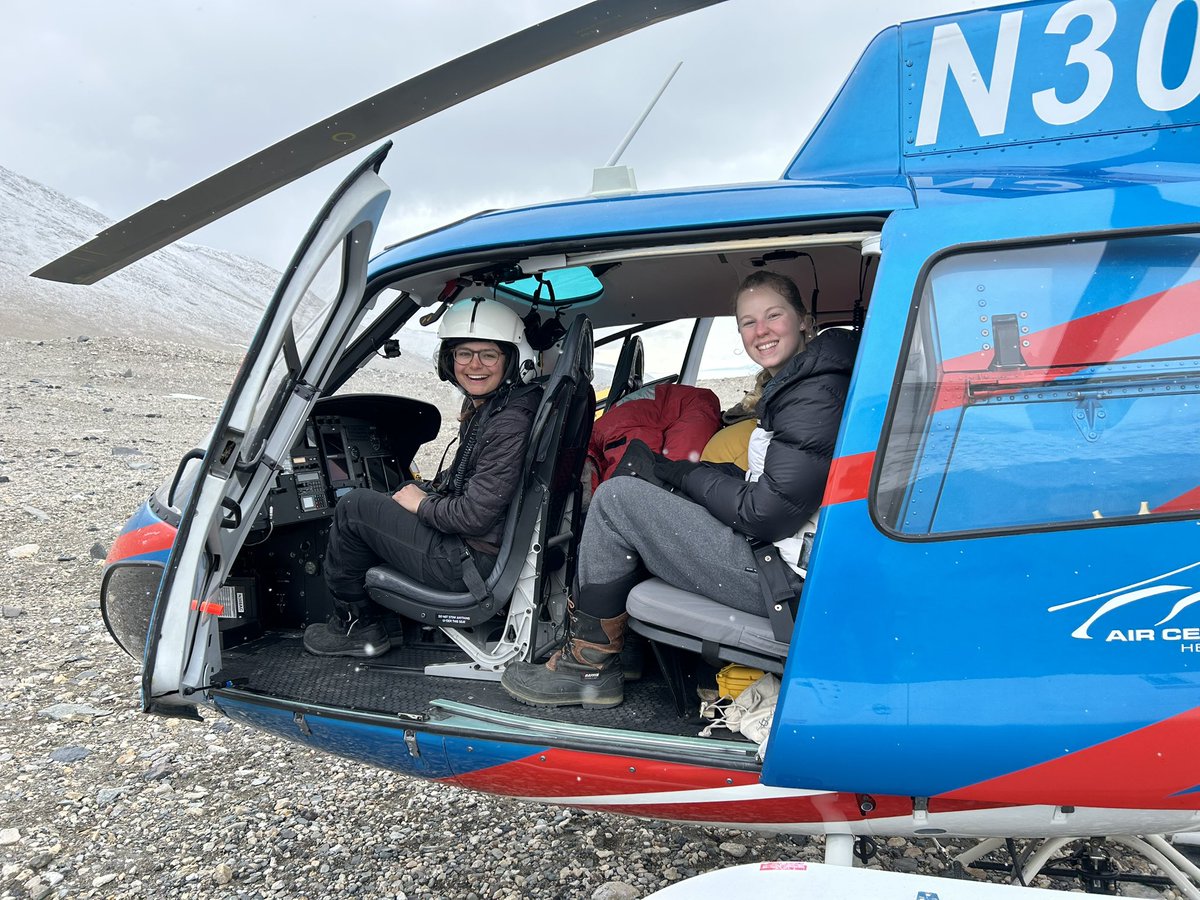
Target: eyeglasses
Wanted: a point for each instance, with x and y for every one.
(489, 358)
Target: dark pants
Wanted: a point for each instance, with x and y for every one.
(369, 529)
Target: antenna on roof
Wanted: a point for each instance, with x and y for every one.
(613, 179)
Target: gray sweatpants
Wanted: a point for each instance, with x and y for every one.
(632, 523)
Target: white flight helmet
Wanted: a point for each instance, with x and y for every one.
(480, 319)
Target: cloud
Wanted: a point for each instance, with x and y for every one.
(99, 104)
(147, 127)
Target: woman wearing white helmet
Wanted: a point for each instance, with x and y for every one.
(423, 528)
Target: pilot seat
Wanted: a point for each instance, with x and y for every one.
(494, 623)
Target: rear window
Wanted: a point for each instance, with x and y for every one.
(1046, 385)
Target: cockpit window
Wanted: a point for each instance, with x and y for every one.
(556, 287)
(301, 330)
(1049, 384)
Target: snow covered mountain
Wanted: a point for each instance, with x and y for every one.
(183, 292)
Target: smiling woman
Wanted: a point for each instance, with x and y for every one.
(477, 369)
(433, 531)
(724, 510)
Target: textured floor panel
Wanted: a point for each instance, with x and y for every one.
(394, 683)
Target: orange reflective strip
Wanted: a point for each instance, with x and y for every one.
(212, 608)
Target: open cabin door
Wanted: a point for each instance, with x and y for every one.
(285, 368)
(971, 629)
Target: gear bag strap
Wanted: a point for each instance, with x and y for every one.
(780, 587)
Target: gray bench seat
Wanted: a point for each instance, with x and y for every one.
(678, 618)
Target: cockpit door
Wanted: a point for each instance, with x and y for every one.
(282, 375)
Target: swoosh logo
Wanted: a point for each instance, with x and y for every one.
(1132, 593)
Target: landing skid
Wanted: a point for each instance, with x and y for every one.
(1091, 864)
(822, 881)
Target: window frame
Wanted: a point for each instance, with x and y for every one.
(914, 322)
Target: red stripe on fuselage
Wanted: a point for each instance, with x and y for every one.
(150, 539)
(1064, 349)
(849, 477)
(569, 773)
(1183, 503)
(1143, 769)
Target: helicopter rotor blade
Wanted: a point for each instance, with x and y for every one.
(389, 111)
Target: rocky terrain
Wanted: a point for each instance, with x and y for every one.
(99, 800)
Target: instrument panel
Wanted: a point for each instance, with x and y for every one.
(351, 442)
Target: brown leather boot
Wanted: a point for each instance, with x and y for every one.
(585, 671)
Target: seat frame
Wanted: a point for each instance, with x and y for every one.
(655, 610)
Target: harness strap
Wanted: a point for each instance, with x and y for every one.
(471, 576)
(780, 587)
(709, 652)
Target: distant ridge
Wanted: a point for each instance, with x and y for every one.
(185, 292)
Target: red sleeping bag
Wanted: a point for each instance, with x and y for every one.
(675, 420)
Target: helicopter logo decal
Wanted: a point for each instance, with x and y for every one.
(1188, 637)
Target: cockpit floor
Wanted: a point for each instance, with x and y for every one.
(276, 665)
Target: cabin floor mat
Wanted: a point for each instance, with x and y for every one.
(394, 682)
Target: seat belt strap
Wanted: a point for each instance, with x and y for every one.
(710, 652)
(780, 588)
(471, 576)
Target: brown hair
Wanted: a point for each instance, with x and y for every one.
(780, 284)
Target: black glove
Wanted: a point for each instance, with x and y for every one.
(638, 461)
(672, 472)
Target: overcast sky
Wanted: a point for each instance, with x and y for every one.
(124, 102)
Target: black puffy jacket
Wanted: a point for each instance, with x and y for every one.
(471, 498)
(802, 406)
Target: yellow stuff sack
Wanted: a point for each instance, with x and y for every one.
(734, 678)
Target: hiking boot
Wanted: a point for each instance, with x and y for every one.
(585, 671)
(347, 637)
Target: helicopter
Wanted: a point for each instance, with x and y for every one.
(998, 635)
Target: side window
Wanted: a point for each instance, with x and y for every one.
(304, 325)
(724, 356)
(664, 347)
(1047, 385)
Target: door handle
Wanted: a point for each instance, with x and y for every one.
(233, 513)
(196, 453)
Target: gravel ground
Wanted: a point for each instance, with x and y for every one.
(98, 800)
